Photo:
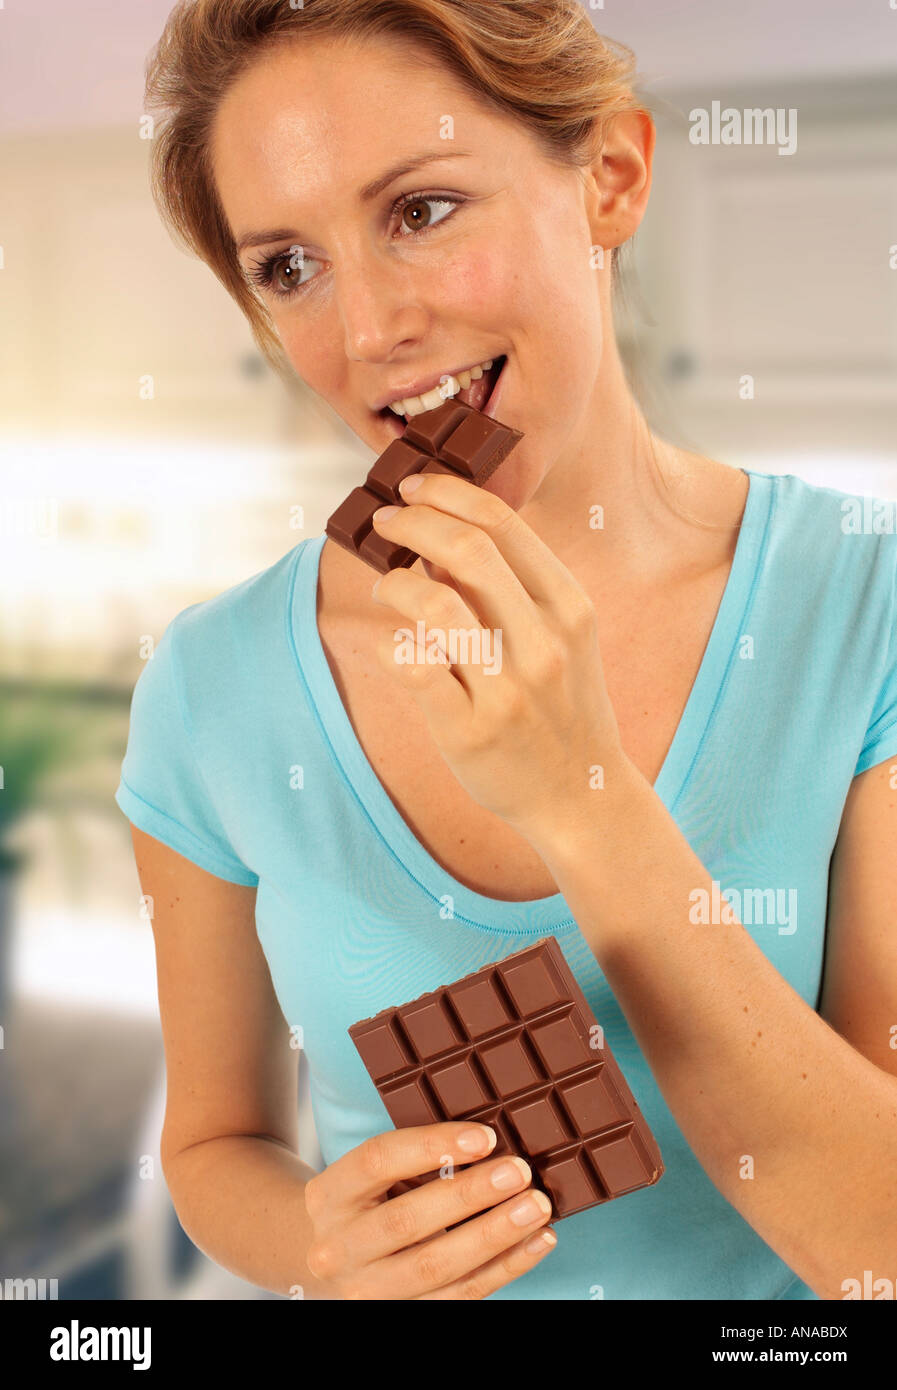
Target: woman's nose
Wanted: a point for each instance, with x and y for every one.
(378, 307)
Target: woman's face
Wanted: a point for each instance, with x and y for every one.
(481, 251)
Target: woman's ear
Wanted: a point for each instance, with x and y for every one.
(619, 181)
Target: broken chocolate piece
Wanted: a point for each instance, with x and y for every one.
(453, 438)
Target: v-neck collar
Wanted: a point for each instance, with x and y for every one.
(536, 916)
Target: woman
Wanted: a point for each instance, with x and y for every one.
(396, 193)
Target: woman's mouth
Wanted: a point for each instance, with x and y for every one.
(480, 394)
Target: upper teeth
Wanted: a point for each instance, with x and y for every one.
(448, 387)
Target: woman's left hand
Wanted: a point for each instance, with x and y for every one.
(525, 721)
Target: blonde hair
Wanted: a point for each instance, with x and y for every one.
(540, 61)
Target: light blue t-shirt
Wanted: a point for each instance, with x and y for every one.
(242, 758)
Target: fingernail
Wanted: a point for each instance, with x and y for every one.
(542, 1240)
(534, 1205)
(513, 1173)
(410, 484)
(384, 513)
(481, 1140)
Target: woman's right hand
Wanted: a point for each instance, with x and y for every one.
(368, 1246)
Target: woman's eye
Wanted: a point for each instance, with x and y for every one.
(292, 271)
(416, 215)
(285, 273)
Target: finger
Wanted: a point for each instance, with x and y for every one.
(546, 579)
(457, 1254)
(484, 577)
(412, 593)
(415, 1216)
(438, 574)
(368, 1171)
(506, 1267)
(447, 621)
(441, 690)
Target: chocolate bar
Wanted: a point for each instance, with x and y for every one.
(514, 1046)
(453, 438)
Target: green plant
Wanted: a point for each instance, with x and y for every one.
(38, 737)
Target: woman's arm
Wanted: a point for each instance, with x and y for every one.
(748, 1069)
(241, 1200)
(230, 1139)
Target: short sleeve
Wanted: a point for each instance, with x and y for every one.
(162, 790)
(880, 742)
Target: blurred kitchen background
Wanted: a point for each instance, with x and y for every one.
(122, 505)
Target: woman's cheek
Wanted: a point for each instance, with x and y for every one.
(478, 280)
(329, 383)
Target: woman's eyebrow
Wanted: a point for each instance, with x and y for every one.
(407, 166)
(366, 194)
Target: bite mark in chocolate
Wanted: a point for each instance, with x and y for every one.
(453, 438)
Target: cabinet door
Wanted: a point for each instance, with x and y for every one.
(777, 268)
(98, 302)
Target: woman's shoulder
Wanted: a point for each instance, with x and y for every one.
(243, 607)
(237, 635)
(823, 514)
(841, 531)
(822, 547)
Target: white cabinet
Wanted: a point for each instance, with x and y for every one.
(776, 267)
(95, 297)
